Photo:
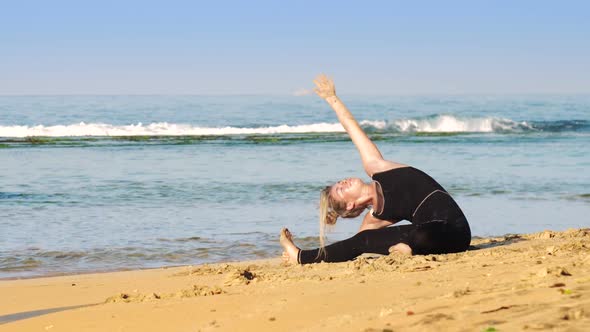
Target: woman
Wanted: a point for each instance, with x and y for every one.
(397, 192)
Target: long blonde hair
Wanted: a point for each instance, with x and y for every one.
(330, 210)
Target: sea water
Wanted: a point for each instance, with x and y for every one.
(94, 183)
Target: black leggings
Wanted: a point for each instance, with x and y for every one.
(438, 227)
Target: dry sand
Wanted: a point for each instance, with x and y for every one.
(529, 282)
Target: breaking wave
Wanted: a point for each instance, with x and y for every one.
(433, 124)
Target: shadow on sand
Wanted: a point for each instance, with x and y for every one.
(34, 313)
(495, 242)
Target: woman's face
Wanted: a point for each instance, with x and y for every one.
(347, 190)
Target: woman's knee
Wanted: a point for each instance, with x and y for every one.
(439, 239)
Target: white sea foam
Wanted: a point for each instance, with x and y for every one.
(441, 123)
(157, 129)
(451, 124)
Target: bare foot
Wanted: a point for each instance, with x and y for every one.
(291, 251)
(401, 248)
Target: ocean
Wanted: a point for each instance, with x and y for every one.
(101, 183)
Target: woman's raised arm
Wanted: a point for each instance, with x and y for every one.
(373, 161)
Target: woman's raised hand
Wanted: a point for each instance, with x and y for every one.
(324, 86)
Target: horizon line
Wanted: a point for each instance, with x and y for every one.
(579, 93)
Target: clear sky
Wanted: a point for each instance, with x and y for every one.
(277, 47)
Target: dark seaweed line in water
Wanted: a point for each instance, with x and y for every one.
(283, 139)
(110, 141)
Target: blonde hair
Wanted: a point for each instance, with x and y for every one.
(330, 210)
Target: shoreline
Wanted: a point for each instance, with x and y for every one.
(475, 239)
(515, 282)
(99, 271)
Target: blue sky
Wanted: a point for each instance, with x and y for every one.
(277, 47)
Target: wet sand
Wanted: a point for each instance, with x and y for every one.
(528, 282)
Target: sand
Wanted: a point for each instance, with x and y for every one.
(519, 282)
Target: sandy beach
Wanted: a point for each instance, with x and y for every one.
(535, 281)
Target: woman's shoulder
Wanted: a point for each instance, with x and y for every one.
(407, 174)
(387, 166)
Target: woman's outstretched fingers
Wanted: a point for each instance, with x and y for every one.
(324, 86)
(320, 79)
